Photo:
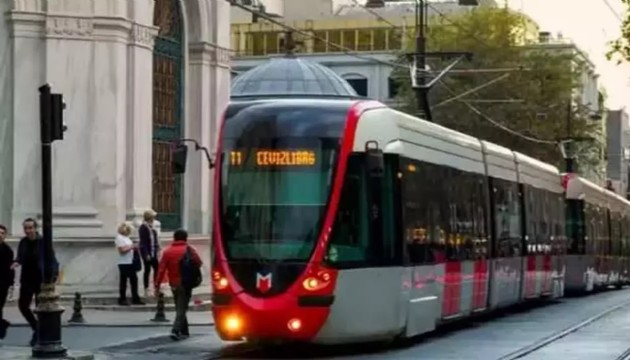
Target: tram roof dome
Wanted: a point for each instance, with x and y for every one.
(291, 77)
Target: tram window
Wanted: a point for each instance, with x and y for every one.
(421, 212)
(350, 238)
(392, 251)
(507, 219)
(576, 226)
(444, 213)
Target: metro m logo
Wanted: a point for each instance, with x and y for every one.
(263, 283)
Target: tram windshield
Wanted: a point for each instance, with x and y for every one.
(275, 184)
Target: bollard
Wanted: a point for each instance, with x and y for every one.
(77, 316)
(159, 314)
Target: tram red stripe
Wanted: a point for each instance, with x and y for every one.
(530, 276)
(452, 288)
(480, 281)
(546, 287)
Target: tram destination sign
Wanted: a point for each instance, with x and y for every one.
(273, 158)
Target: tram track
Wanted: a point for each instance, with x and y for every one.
(624, 355)
(245, 350)
(542, 343)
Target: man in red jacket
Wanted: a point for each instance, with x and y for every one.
(170, 264)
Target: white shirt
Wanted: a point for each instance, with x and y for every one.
(127, 258)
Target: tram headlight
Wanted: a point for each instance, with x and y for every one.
(232, 324)
(294, 324)
(219, 281)
(318, 282)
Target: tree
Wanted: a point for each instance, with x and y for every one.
(620, 48)
(540, 91)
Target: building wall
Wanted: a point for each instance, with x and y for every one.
(618, 149)
(100, 56)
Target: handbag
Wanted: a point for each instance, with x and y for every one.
(137, 262)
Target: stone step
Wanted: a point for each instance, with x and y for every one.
(110, 298)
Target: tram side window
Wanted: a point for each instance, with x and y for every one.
(576, 226)
(545, 220)
(532, 215)
(507, 214)
(560, 239)
(444, 213)
(349, 242)
(479, 194)
(420, 211)
(615, 233)
(590, 221)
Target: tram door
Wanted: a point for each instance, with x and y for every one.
(366, 249)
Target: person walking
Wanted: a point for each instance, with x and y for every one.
(28, 253)
(149, 248)
(126, 266)
(7, 276)
(182, 264)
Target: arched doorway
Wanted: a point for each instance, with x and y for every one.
(168, 110)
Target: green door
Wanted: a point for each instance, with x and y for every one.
(168, 111)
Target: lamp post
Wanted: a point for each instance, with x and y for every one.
(48, 310)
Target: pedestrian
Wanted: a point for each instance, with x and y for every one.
(149, 248)
(31, 274)
(128, 266)
(178, 258)
(7, 276)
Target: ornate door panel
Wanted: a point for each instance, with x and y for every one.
(168, 110)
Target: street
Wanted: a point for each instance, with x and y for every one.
(503, 336)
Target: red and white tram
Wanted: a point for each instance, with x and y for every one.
(342, 220)
(599, 229)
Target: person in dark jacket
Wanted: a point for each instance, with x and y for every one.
(28, 257)
(149, 248)
(6, 277)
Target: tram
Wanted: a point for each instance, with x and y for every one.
(341, 220)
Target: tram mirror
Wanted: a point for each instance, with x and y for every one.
(179, 154)
(374, 160)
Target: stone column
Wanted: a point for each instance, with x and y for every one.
(198, 184)
(140, 119)
(23, 132)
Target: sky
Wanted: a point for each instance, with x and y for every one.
(590, 24)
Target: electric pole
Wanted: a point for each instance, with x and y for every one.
(420, 85)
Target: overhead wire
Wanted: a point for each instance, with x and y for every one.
(612, 10)
(458, 96)
(498, 124)
(352, 53)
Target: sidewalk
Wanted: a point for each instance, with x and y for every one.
(102, 318)
(23, 353)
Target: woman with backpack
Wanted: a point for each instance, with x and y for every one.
(182, 264)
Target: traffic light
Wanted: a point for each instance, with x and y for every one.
(58, 126)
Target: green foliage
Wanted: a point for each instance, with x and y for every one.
(620, 48)
(541, 89)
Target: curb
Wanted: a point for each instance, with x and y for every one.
(130, 325)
